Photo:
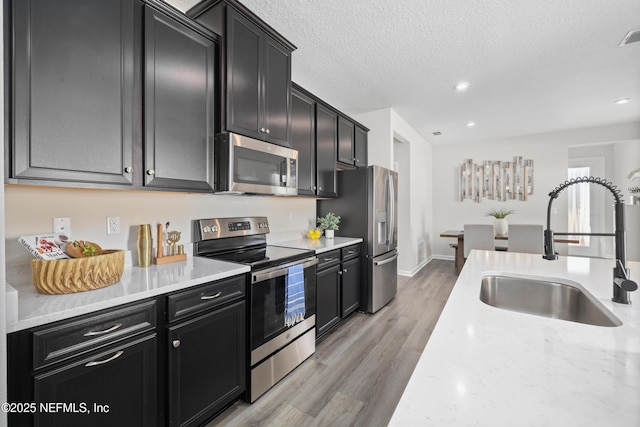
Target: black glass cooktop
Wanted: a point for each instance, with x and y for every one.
(262, 257)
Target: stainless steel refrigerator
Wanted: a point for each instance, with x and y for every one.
(368, 205)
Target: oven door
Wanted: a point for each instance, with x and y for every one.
(267, 330)
(247, 165)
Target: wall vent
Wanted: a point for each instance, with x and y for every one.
(631, 37)
(437, 133)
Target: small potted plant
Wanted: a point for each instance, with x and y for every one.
(500, 222)
(329, 223)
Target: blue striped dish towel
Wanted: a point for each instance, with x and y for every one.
(294, 308)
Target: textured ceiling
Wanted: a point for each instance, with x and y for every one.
(533, 66)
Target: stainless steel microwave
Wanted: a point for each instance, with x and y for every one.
(247, 165)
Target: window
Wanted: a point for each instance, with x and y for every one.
(579, 197)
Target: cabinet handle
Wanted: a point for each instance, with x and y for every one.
(345, 270)
(175, 343)
(340, 272)
(128, 169)
(263, 130)
(151, 172)
(314, 188)
(206, 297)
(102, 362)
(106, 331)
(328, 259)
(351, 252)
(320, 188)
(268, 131)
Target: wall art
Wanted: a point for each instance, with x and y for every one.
(496, 180)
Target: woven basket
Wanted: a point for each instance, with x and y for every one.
(66, 276)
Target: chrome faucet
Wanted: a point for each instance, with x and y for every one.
(622, 284)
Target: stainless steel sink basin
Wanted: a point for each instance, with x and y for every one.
(545, 298)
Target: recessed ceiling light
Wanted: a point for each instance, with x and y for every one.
(471, 124)
(622, 100)
(461, 86)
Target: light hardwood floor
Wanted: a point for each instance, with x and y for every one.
(360, 369)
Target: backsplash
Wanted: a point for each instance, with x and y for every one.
(30, 210)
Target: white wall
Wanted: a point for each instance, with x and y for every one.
(416, 230)
(29, 210)
(550, 155)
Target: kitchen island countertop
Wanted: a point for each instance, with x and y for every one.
(320, 245)
(488, 366)
(26, 308)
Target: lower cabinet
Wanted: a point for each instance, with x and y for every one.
(176, 359)
(206, 364)
(113, 388)
(338, 287)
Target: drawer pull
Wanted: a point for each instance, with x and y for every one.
(106, 331)
(102, 362)
(351, 252)
(206, 297)
(328, 259)
(175, 343)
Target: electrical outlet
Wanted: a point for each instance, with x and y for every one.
(62, 226)
(113, 225)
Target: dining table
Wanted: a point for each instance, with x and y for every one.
(459, 245)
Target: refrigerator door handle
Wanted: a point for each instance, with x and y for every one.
(387, 261)
(387, 207)
(392, 214)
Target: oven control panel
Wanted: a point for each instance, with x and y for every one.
(216, 228)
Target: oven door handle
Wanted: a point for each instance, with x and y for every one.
(282, 270)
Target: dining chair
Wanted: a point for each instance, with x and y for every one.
(478, 236)
(527, 238)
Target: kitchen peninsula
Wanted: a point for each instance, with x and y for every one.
(489, 366)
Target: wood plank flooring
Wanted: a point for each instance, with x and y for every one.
(360, 369)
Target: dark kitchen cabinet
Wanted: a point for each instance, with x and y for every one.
(361, 146)
(350, 287)
(326, 151)
(303, 139)
(338, 287)
(257, 77)
(346, 142)
(74, 90)
(179, 107)
(79, 101)
(206, 345)
(103, 366)
(327, 292)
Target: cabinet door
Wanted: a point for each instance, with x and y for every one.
(243, 74)
(303, 139)
(345, 141)
(327, 299)
(326, 140)
(361, 147)
(113, 388)
(277, 93)
(350, 289)
(179, 105)
(206, 364)
(74, 90)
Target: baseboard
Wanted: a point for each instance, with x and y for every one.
(444, 257)
(413, 272)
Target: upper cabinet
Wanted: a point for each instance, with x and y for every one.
(257, 72)
(111, 93)
(179, 93)
(352, 143)
(303, 139)
(74, 90)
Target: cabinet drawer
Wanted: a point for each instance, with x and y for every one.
(201, 298)
(72, 338)
(328, 259)
(350, 252)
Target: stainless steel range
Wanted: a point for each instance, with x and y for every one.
(276, 346)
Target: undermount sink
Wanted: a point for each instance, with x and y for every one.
(545, 298)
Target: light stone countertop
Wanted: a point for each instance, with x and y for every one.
(486, 366)
(26, 308)
(320, 245)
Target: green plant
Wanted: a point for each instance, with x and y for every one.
(500, 213)
(329, 222)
